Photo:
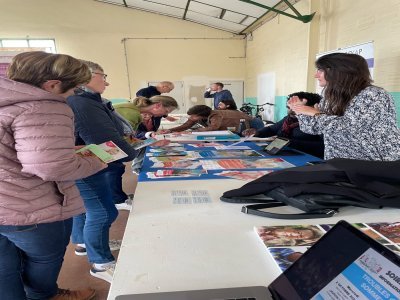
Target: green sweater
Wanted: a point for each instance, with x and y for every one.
(130, 112)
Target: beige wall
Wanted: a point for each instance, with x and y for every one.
(91, 30)
(287, 47)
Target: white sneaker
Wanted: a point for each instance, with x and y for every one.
(114, 245)
(127, 205)
(106, 273)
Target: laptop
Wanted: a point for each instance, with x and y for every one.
(344, 264)
(276, 145)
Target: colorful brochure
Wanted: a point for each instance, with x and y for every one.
(266, 163)
(159, 174)
(107, 152)
(244, 175)
(288, 242)
(138, 144)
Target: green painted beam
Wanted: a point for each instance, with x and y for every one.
(298, 16)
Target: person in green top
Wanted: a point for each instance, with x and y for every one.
(155, 106)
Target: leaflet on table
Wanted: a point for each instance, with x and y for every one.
(267, 163)
(167, 153)
(138, 144)
(287, 243)
(199, 136)
(212, 133)
(175, 173)
(371, 276)
(243, 175)
(164, 148)
(179, 164)
(228, 153)
(107, 152)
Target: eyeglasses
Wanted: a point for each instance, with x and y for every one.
(102, 74)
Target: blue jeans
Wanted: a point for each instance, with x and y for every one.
(93, 228)
(114, 177)
(31, 258)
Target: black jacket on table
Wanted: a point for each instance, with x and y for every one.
(372, 182)
(310, 144)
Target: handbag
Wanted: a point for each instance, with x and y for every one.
(313, 205)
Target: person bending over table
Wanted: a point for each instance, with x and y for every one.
(211, 120)
(289, 128)
(356, 118)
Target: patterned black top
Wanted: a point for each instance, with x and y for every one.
(368, 129)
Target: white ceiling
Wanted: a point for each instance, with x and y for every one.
(229, 15)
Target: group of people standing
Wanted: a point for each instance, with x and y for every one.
(51, 105)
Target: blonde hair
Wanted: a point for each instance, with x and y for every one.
(36, 67)
(166, 101)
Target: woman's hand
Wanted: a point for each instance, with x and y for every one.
(299, 107)
(163, 131)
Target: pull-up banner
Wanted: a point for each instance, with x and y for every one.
(366, 50)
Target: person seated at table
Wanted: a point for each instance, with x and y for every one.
(289, 128)
(255, 122)
(227, 104)
(211, 120)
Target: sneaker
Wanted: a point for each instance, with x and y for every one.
(80, 251)
(106, 273)
(114, 246)
(127, 205)
(86, 294)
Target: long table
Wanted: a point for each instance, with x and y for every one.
(170, 245)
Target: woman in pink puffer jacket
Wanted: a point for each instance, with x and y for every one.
(38, 167)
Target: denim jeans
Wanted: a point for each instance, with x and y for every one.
(31, 258)
(114, 177)
(93, 228)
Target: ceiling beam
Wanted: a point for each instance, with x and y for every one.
(126, 5)
(244, 19)
(223, 11)
(186, 10)
(298, 16)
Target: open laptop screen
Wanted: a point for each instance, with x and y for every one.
(344, 264)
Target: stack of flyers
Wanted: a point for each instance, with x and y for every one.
(175, 173)
(203, 145)
(268, 163)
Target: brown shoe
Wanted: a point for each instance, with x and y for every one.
(86, 294)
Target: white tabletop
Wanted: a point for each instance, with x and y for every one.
(169, 247)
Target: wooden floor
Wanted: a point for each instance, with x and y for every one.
(75, 270)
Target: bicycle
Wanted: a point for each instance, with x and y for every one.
(259, 108)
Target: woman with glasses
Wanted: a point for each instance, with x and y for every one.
(356, 118)
(95, 123)
(38, 196)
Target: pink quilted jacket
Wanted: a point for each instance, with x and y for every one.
(38, 164)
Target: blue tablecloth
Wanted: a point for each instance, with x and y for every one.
(294, 157)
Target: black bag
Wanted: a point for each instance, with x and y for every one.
(313, 205)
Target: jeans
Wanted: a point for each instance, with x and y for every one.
(114, 177)
(93, 228)
(31, 258)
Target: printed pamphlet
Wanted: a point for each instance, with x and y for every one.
(288, 242)
(243, 175)
(175, 173)
(138, 144)
(107, 152)
(266, 163)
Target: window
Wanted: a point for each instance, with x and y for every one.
(47, 45)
